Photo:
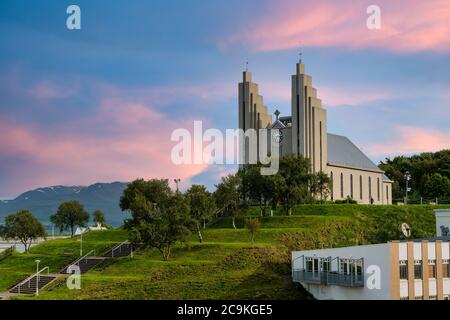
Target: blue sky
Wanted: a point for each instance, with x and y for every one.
(99, 104)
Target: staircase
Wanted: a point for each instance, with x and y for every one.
(29, 285)
(85, 263)
(122, 250)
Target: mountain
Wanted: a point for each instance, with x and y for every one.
(44, 202)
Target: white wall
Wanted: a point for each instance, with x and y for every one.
(376, 254)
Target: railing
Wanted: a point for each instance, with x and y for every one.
(37, 275)
(328, 278)
(119, 246)
(80, 259)
(7, 252)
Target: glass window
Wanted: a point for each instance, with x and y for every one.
(445, 270)
(331, 178)
(360, 187)
(403, 270)
(342, 185)
(431, 268)
(378, 189)
(351, 186)
(417, 269)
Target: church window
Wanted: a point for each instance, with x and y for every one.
(378, 189)
(331, 178)
(342, 185)
(370, 189)
(351, 186)
(360, 187)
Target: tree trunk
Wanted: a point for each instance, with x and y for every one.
(25, 245)
(166, 252)
(233, 221)
(204, 223)
(200, 237)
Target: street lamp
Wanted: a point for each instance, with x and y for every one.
(176, 181)
(407, 178)
(37, 276)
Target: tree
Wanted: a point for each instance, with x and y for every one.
(70, 214)
(227, 196)
(24, 227)
(263, 189)
(159, 217)
(202, 206)
(320, 185)
(295, 172)
(98, 217)
(437, 186)
(253, 226)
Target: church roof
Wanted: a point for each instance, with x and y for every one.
(341, 151)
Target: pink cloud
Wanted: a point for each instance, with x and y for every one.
(49, 90)
(410, 140)
(406, 25)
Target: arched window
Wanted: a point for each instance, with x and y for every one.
(331, 187)
(351, 186)
(360, 187)
(342, 185)
(378, 189)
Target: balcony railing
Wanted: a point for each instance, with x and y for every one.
(329, 278)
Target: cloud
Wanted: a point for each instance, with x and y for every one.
(406, 25)
(48, 90)
(410, 140)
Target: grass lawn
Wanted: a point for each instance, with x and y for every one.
(55, 254)
(226, 266)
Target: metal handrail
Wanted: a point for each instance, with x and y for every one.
(117, 247)
(83, 257)
(31, 277)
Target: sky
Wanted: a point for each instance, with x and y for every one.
(99, 104)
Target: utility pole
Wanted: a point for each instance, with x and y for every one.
(407, 178)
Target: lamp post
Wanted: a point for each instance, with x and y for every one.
(37, 277)
(407, 178)
(176, 181)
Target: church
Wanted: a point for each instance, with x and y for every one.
(305, 133)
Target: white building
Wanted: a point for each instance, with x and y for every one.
(406, 270)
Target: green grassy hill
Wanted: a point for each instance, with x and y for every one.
(227, 265)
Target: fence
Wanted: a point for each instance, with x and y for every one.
(432, 201)
(7, 252)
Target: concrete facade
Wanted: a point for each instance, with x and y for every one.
(305, 133)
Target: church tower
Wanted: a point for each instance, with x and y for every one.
(309, 121)
(253, 114)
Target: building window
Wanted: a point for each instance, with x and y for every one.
(331, 178)
(351, 186)
(445, 268)
(370, 190)
(417, 269)
(387, 194)
(403, 270)
(378, 189)
(431, 268)
(342, 185)
(360, 188)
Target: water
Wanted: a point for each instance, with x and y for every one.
(19, 247)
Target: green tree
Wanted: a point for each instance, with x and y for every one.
(320, 185)
(295, 171)
(99, 217)
(227, 196)
(262, 189)
(159, 217)
(437, 186)
(202, 206)
(23, 226)
(253, 226)
(70, 214)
